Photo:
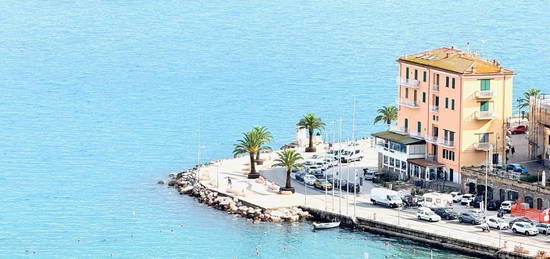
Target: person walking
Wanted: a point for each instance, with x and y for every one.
(229, 184)
(513, 150)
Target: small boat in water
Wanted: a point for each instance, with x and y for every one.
(326, 225)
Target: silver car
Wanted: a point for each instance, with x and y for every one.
(544, 228)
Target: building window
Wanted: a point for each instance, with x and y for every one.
(446, 103)
(392, 161)
(484, 137)
(447, 81)
(414, 97)
(415, 74)
(437, 79)
(419, 127)
(385, 160)
(407, 73)
(453, 83)
(406, 124)
(437, 101)
(453, 104)
(406, 92)
(424, 76)
(484, 106)
(423, 97)
(485, 84)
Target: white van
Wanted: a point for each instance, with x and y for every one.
(386, 197)
(434, 200)
(427, 214)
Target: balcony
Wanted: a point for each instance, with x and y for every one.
(408, 103)
(408, 82)
(485, 115)
(432, 158)
(435, 88)
(434, 109)
(446, 143)
(398, 129)
(483, 146)
(431, 139)
(485, 94)
(416, 134)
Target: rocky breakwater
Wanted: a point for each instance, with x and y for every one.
(186, 183)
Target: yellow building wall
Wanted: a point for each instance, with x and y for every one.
(501, 104)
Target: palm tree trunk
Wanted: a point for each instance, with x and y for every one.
(288, 178)
(310, 138)
(252, 164)
(258, 155)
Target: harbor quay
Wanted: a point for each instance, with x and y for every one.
(228, 177)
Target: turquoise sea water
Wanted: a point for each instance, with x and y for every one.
(100, 99)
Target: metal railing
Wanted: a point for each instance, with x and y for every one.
(430, 138)
(435, 88)
(398, 129)
(434, 108)
(485, 115)
(408, 103)
(408, 82)
(432, 158)
(485, 94)
(446, 142)
(483, 146)
(416, 134)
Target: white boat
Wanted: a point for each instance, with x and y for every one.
(326, 225)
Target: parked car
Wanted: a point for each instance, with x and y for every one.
(351, 156)
(457, 196)
(476, 202)
(308, 162)
(544, 228)
(300, 176)
(323, 184)
(310, 179)
(506, 206)
(493, 205)
(446, 213)
(495, 222)
(469, 217)
(322, 164)
(427, 214)
(316, 157)
(521, 129)
(521, 220)
(368, 174)
(410, 201)
(385, 197)
(517, 168)
(525, 228)
(466, 199)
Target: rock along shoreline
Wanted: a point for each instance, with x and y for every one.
(186, 183)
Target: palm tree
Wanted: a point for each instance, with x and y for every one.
(386, 114)
(288, 159)
(251, 144)
(523, 102)
(311, 123)
(266, 137)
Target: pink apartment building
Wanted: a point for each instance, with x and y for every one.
(452, 109)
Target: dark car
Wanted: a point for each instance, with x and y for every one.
(521, 129)
(447, 214)
(410, 201)
(300, 176)
(493, 205)
(469, 218)
(522, 219)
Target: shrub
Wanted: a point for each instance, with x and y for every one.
(528, 178)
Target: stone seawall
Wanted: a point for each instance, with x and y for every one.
(432, 239)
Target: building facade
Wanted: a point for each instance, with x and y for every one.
(539, 128)
(457, 102)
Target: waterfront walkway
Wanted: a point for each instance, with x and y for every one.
(261, 196)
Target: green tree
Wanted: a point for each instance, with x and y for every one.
(386, 114)
(266, 137)
(523, 102)
(311, 123)
(251, 144)
(288, 159)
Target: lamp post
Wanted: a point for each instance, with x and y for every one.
(354, 191)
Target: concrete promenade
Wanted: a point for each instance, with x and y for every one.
(359, 206)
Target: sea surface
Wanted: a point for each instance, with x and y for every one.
(101, 99)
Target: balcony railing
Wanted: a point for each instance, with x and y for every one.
(485, 94)
(432, 158)
(447, 143)
(485, 115)
(417, 135)
(408, 103)
(483, 146)
(434, 109)
(431, 139)
(408, 82)
(435, 88)
(398, 129)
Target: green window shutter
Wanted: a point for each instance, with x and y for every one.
(485, 84)
(446, 81)
(446, 103)
(437, 101)
(406, 123)
(484, 106)
(415, 74)
(453, 83)
(406, 92)
(419, 127)
(423, 97)
(424, 76)
(407, 73)
(453, 104)
(414, 97)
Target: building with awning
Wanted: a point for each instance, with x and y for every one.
(395, 150)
